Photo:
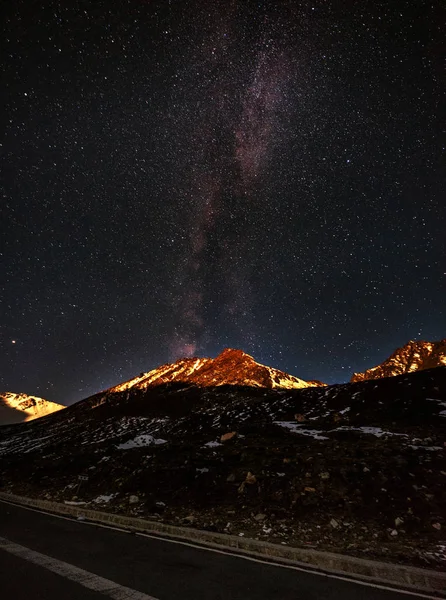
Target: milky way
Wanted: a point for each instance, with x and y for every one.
(178, 177)
(236, 135)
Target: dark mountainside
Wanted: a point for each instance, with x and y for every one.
(413, 356)
(358, 468)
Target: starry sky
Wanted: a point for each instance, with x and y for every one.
(178, 177)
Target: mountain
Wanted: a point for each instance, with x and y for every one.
(16, 408)
(414, 356)
(358, 468)
(231, 367)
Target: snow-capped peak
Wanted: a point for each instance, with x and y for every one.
(16, 408)
(164, 374)
(230, 367)
(414, 356)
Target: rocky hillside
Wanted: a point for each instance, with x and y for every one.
(357, 468)
(231, 367)
(16, 408)
(414, 356)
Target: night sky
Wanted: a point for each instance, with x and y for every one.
(178, 177)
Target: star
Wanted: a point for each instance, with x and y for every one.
(176, 182)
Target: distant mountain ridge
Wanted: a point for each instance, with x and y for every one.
(413, 356)
(231, 367)
(16, 408)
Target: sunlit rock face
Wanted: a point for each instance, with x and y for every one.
(414, 356)
(231, 367)
(17, 408)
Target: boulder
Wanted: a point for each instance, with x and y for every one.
(190, 519)
(228, 436)
(250, 478)
(260, 517)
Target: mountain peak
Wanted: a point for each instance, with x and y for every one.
(230, 367)
(16, 408)
(233, 354)
(413, 356)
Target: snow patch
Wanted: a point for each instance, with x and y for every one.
(376, 431)
(140, 441)
(439, 552)
(428, 448)
(442, 413)
(295, 428)
(104, 499)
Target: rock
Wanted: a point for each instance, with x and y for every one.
(366, 470)
(398, 522)
(250, 478)
(228, 436)
(394, 532)
(309, 489)
(260, 517)
(436, 526)
(324, 475)
(334, 523)
(133, 499)
(189, 519)
(230, 478)
(160, 504)
(241, 488)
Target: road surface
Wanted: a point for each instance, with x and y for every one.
(46, 557)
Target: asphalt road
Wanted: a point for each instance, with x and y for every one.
(49, 558)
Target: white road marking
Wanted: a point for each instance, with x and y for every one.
(85, 578)
(161, 537)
